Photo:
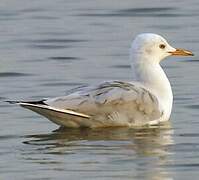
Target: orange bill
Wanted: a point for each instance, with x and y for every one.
(181, 52)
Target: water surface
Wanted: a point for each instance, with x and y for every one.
(50, 46)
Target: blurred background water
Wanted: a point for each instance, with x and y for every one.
(50, 46)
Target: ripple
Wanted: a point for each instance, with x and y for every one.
(57, 41)
(139, 12)
(191, 61)
(121, 66)
(49, 46)
(44, 17)
(61, 84)
(2, 98)
(13, 74)
(176, 165)
(32, 10)
(63, 58)
(50, 41)
(193, 106)
(190, 135)
(164, 27)
(57, 33)
(146, 10)
(8, 15)
(170, 67)
(182, 99)
(6, 137)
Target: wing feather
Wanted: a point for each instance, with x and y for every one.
(110, 100)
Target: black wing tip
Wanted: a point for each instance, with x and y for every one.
(41, 102)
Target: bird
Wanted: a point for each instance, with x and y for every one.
(145, 101)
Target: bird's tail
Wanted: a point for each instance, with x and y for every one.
(63, 117)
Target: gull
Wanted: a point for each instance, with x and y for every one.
(145, 101)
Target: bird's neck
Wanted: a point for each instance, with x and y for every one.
(152, 76)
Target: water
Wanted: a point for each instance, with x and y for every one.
(48, 47)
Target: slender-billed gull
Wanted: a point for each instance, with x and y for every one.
(146, 101)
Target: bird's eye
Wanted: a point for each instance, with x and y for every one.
(162, 46)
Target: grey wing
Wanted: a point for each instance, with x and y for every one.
(113, 100)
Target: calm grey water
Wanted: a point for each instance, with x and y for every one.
(50, 46)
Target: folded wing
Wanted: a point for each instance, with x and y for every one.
(110, 103)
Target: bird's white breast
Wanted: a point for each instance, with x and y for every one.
(152, 76)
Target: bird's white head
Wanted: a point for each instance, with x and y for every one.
(153, 47)
(146, 52)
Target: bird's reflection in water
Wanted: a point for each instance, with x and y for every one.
(146, 150)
